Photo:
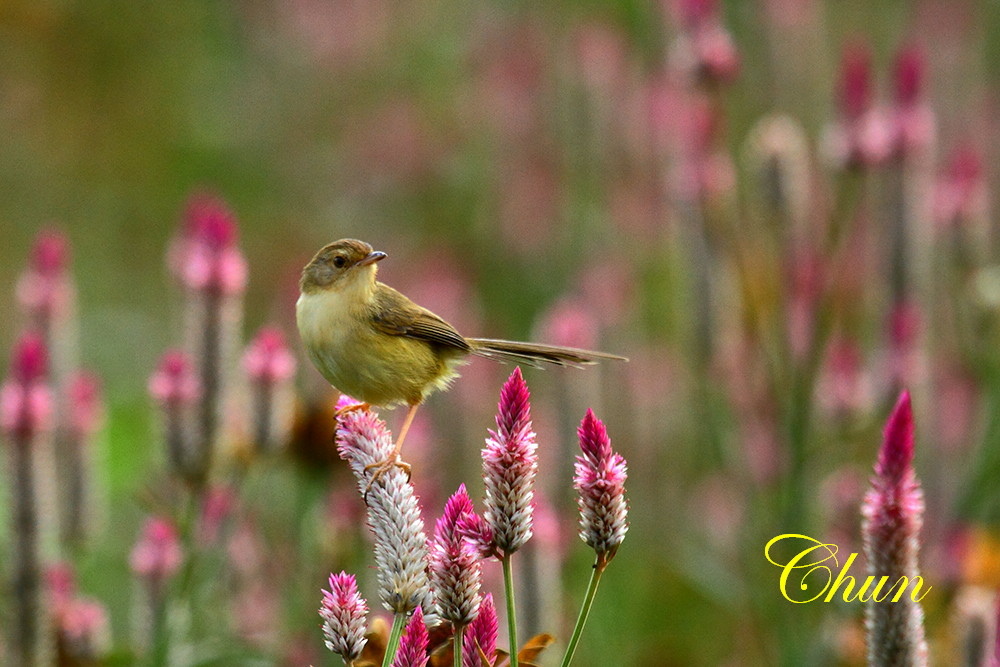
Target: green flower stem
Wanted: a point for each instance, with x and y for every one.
(588, 602)
(508, 584)
(459, 634)
(398, 621)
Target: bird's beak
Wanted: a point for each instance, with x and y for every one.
(375, 256)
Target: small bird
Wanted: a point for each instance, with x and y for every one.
(374, 344)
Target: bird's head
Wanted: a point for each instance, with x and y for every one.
(339, 264)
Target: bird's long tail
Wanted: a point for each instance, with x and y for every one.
(536, 354)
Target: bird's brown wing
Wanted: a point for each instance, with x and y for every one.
(396, 315)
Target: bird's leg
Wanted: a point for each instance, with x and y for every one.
(395, 459)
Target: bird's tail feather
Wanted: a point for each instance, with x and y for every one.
(536, 354)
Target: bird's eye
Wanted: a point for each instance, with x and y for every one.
(339, 261)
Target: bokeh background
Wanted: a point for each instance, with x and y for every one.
(601, 174)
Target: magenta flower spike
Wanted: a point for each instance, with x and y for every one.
(705, 49)
(481, 635)
(454, 563)
(413, 646)
(270, 367)
(26, 429)
(344, 613)
(600, 481)
(893, 515)
(393, 513)
(510, 463)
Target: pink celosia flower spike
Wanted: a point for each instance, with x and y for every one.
(413, 646)
(270, 367)
(600, 480)
(892, 512)
(44, 290)
(481, 635)
(344, 613)
(26, 430)
(176, 389)
(393, 513)
(157, 554)
(510, 463)
(454, 565)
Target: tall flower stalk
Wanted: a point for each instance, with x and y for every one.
(510, 464)
(270, 369)
(394, 517)
(26, 427)
(893, 515)
(600, 481)
(213, 272)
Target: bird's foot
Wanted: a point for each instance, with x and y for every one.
(342, 410)
(382, 467)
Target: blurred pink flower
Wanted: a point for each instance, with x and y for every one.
(844, 387)
(602, 57)
(893, 515)
(217, 507)
(45, 289)
(84, 630)
(481, 635)
(205, 257)
(905, 325)
(704, 49)
(860, 136)
(157, 555)
(345, 617)
(961, 192)
(569, 322)
(174, 382)
(85, 405)
(911, 118)
(25, 399)
(267, 359)
(600, 480)
(413, 644)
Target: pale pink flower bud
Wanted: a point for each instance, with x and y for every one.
(481, 636)
(157, 555)
(176, 389)
(454, 564)
(344, 613)
(413, 645)
(393, 513)
(510, 463)
(893, 515)
(600, 481)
